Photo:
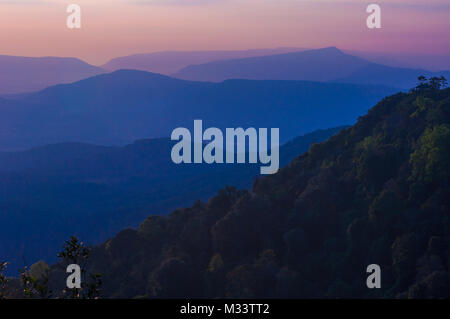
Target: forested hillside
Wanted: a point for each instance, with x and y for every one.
(376, 193)
(49, 193)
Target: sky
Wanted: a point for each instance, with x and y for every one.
(112, 28)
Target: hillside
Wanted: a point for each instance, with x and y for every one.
(432, 62)
(49, 193)
(311, 65)
(121, 107)
(325, 65)
(27, 74)
(168, 62)
(377, 192)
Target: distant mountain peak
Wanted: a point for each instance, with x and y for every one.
(29, 74)
(122, 75)
(325, 64)
(331, 49)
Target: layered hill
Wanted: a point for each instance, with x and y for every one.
(27, 74)
(326, 65)
(168, 62)
(376, 193)
(435, 62)
(121, 107)
(49, 193)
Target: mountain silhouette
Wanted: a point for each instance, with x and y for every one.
(399, 77)
(51, 192)
(127, 105)
(168, 62)
(432, 62)
(376, 193)
(27, 74)
(312, 65)
(325, 65)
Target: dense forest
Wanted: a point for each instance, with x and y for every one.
(375, 193)
(52, 192)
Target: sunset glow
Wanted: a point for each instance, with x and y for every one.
(120, 27)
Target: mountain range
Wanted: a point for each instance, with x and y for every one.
(169, 62)
(376, 193)
(123, 106)
(325, 65)
(51, 192)
(27, 74)
(432, 62)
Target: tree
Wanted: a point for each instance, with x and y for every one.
(444, 82)
(75, 252)
(35, 282)
(433, 83)
(431, 160)
(422, 82)
(3, 280)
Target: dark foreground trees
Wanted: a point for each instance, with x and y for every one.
(42, 282)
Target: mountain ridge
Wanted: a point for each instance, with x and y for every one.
(26, 74)
(327, 65)
(120, 107)
(54, 191)
(168, 62)
(375, 193)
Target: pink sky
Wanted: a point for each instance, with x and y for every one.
(113, 28)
